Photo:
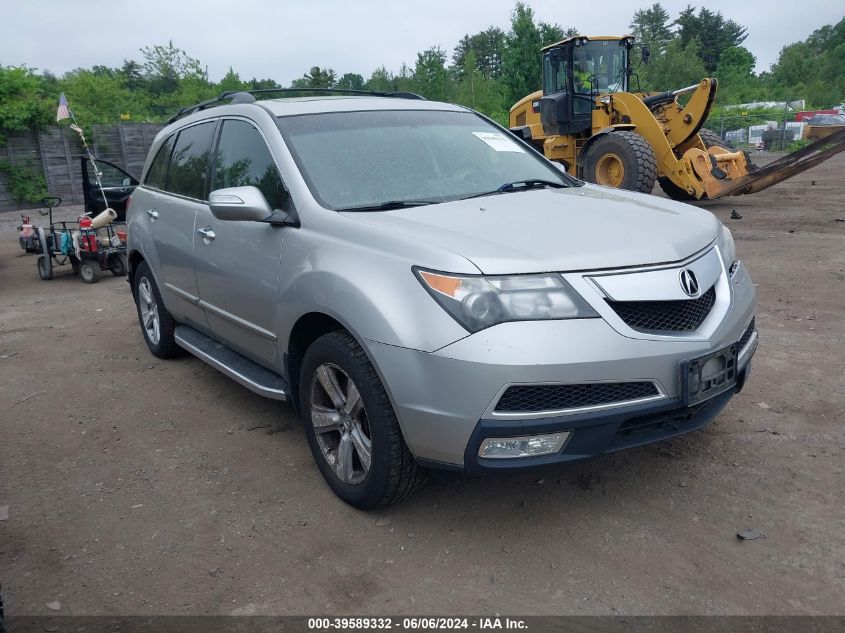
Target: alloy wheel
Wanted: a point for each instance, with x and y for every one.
(149, 311)
(340, 423)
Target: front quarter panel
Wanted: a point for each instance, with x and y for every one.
(362, 276)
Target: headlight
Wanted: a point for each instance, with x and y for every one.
(478, 302)
(728, 248)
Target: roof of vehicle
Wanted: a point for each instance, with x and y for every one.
(589, 38)
(292, 101)
(320, 104)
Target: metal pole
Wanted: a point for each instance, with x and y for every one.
(75, 127)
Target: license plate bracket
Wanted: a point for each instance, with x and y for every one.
(708, 376)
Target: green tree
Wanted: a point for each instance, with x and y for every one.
(430, 77)
(677, 67)
(165, 66)
(262, 84)
(232, 82)
(652, 27)
(133, 74)
(23, 103)
(102, 97)
(813, 69)
(488, 47)
(380, 81)
(350, 81)
(713, 31)
(316, 78)
(737, 81)
(552, 33)
(521, 72)
(476, 91)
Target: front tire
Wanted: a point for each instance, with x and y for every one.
(621, 159)
(157, 325)
(351, 427)
(45, 267)
(89, 271)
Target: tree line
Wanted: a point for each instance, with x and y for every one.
(488, 71)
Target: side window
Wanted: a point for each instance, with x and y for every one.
(110, 175)
(189, 162)
(243, 159)
(157, 174)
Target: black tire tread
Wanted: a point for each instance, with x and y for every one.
(46, 273)
(167, 347)
(646, 167)
(711, 139)
(405, 476)
(674, 191)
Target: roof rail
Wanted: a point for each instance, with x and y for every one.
(248, 96)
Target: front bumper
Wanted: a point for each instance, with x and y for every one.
(594, 434)
(443, 399)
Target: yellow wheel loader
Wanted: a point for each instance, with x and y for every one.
(586, 118)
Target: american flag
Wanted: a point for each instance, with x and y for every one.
(63, 112)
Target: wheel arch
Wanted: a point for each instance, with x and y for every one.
(133, 260)
(590, 141)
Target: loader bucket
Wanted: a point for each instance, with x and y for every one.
(775, 172)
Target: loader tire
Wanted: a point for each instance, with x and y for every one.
(711, 139)
(621, 159)
(674, 191)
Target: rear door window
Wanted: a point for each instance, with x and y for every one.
(244, 159)
(157, 174)
(189, 162)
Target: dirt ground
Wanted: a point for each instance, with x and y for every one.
(140, 486)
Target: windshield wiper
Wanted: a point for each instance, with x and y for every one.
(391, 204)
(521, 185)
(533, 183)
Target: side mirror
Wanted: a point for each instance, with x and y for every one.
(645, 53)
(239, 204)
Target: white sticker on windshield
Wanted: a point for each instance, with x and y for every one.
(498, 142)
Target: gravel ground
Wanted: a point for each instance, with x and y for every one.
(140, 486)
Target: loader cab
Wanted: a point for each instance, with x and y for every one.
(576, 71)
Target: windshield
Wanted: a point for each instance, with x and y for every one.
(598, 67)
(603, 64)
(363, 159)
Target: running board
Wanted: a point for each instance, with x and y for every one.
(239, 368)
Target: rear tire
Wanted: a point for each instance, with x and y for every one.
(674, 191)
(117, 265)
(711, 139)
(45, 267)
(621, 159)
(369, 428)
(157, 325)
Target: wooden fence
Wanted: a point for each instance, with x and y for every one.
(54, 152)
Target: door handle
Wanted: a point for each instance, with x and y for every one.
(207, 234)
(153, 214)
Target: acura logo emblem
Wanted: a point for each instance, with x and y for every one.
(688, 282)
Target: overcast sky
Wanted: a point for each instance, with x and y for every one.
(282, 40)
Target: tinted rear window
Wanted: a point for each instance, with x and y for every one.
(188, 164)
(157, 174)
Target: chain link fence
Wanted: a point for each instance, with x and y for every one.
(773, 130)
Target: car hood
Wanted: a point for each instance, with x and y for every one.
(544, 230)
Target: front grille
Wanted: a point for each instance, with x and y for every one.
(685, 315)
(533, 398)
(746, 336)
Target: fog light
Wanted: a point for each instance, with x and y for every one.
(525, 446)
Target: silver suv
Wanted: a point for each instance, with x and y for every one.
(428, 291)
